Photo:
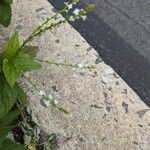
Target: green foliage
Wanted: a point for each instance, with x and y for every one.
(10, 145)
(8, 1)
(8, 97)
(9, 118)
(6, 124)
(11, 47)
(10, 72)
(5, 12)
(16, 62)
(22, 97)
(3, 133)
(31, 51)
(13, 63)
(17, 59)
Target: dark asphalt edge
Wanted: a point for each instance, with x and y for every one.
(115, 51)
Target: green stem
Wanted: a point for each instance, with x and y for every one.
(39, 28)
(66, 64)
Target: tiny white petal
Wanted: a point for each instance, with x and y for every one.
(71, 18)
(50, 97)
(70, 6)
(76, 11)
(41, 93)
(46, 103)
(66, 3)
(83, 18)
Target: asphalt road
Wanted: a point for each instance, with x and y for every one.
(120, 32)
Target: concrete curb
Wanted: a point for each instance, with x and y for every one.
(105, 113)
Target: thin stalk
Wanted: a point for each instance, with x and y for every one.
(40, 27)
(66, 64)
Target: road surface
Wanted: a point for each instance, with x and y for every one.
(120, 32)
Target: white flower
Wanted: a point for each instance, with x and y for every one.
(83, 18)
(66, 3)
(70, 6)
(76, 11)
(47, 103)
(50, 97)
(71, 18)
(41, 93)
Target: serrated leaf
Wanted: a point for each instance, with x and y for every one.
(22, 56)
(27, 64)
(8, 119)
(31, 50)
(10, 145)
(5, 13)
(21, 95)
(10, 72)
(12, 46)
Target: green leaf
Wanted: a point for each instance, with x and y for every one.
(12, 46)
(27, 64)
(8, 119)
(31, 50)
(10, 145)
(3, 133)
(1, 61)
(5, 126)
(8, 1)
(1, 58)
(10, 72)
(5, 13)
(2, 108)
(8, 97)
(22, 56)
(1, 69)
(21, 95)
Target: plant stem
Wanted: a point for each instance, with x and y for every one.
(66, 64)
(39, 28)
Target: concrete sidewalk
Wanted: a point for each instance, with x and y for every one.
(104, 112)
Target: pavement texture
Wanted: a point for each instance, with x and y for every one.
(104, 112)
(119, 32)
